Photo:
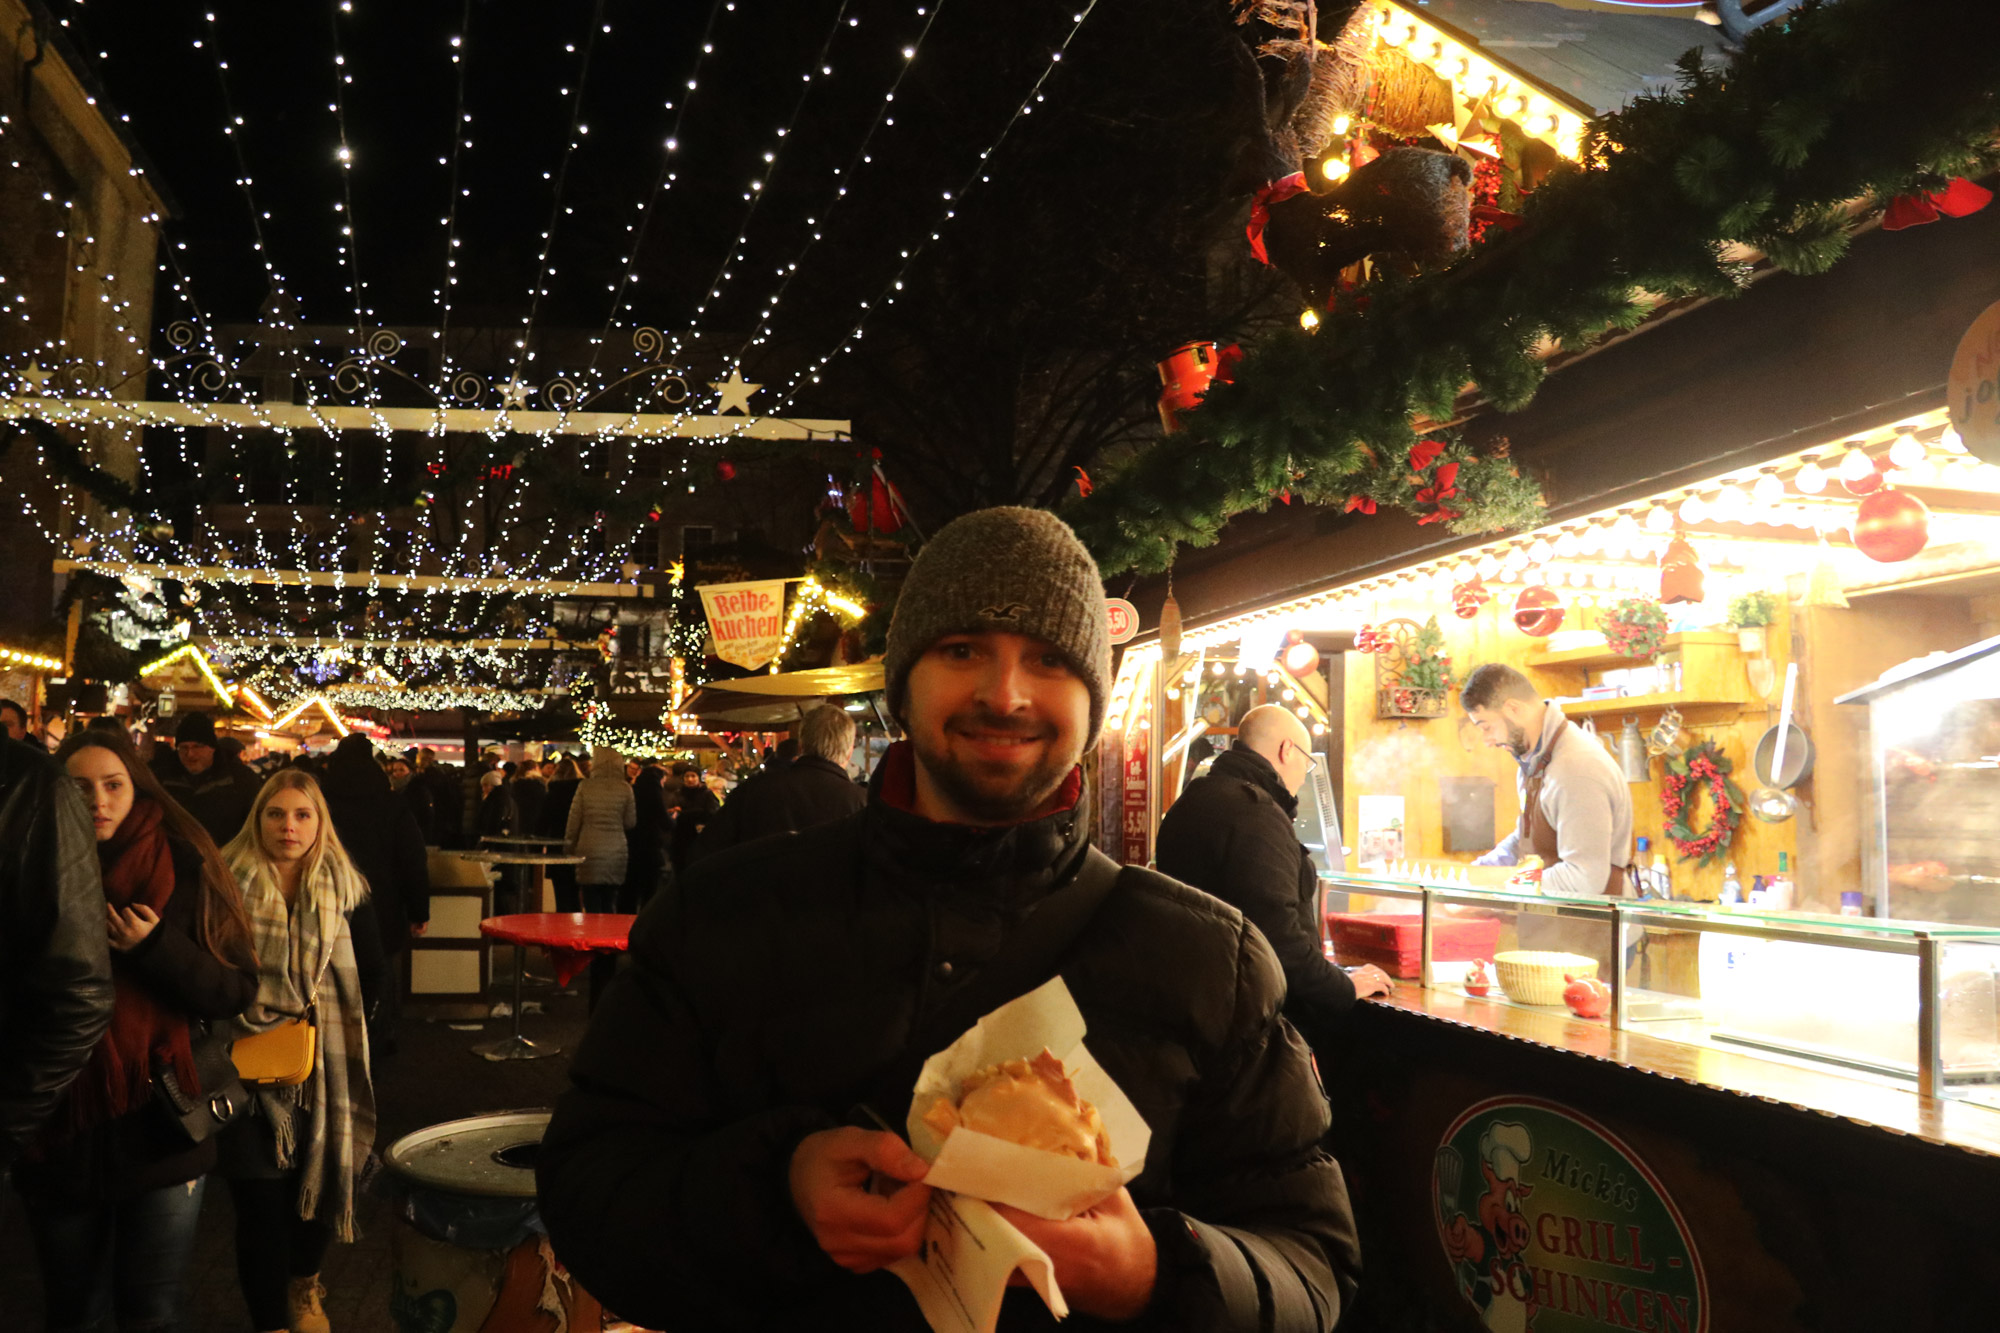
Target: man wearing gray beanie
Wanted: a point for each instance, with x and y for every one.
(721, 1159)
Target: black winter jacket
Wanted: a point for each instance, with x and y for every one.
(808, 791)
(55, 958)
(774, 987)
(385, 843)
(1230, 833)
(219, 798)
(693, 808)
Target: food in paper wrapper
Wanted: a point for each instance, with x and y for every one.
(1029, 1102)
(1528, 875)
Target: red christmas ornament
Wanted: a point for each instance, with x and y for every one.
(1468, 597)
(1538, 612)
(1891, 525)
(726, 470)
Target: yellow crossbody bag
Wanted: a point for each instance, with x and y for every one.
(283, 1056)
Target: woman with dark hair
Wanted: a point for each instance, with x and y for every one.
(294, 1163)
(113, 1186)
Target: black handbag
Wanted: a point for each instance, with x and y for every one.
(223, 1096)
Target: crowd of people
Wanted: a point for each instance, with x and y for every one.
(719, 1160)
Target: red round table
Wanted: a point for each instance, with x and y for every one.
(571, 938)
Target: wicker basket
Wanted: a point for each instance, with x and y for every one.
(1531, 976)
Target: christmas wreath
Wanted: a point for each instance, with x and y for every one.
(1636, 627)
(1702, 765)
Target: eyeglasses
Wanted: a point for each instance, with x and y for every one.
(1312, 764)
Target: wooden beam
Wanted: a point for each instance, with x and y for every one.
(424, 420)
(370, 579)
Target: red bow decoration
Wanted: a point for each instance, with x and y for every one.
(1260, 210)
(1444, 485)
(1497, 217)
(1956, 200)
(1083, 486)
(1423, 453)
(1284, 497)
(1361, 502)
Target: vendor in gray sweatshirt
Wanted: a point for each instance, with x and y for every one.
(1576, 809)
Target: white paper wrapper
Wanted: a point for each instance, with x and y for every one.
(982, 1167)
(960, 1276)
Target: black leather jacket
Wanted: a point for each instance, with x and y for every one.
(55, 959)
(778, 984)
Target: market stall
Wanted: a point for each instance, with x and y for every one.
(1791, 1040)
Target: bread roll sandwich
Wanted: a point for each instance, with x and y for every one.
(1029, 1102)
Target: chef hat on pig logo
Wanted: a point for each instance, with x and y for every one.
(1507, 1147)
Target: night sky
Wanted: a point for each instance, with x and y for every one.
(523, 65)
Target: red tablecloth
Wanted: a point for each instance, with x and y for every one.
(570, 937)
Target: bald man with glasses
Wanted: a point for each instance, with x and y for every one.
(1230, 834)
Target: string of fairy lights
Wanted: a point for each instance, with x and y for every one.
(131, 543)
(347, 245)
(952, 199)
(578, 128)
(753, 194)
(860, 157)
(663, 183)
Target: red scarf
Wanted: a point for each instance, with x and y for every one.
(138, 865)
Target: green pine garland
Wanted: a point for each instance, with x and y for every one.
(1861, 99)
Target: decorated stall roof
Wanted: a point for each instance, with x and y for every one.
(1597, 55)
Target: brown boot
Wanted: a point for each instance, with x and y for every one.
(303, 1299)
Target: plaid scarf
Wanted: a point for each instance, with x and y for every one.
(305, 957)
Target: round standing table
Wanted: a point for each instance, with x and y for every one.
(571, 938)
(541, 861)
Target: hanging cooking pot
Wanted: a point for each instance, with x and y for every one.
(1798, 757)
(1633, 761)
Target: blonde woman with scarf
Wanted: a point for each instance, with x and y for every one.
(293, 1164)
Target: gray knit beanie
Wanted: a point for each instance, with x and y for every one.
(1018, 570)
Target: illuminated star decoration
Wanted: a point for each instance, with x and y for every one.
(733, 392)
(514, 394)
(34, 377)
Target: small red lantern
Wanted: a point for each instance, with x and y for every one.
(1538, 612)
(1186, 374)
(1891, 525)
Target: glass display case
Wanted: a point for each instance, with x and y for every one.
(1902, 1001)
(1931, 798)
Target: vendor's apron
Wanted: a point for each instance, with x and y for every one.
(1538, 834)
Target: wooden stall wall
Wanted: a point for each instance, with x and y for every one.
(1407, 758)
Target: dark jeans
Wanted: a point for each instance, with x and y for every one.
(274, 1245)
(604, 898)
(126, 1257)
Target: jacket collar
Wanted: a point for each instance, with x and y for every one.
(1013, 865)
(1246, 765)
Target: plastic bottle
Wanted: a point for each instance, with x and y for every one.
(1663, 878)
(1759, 895)
(1850, 903)
(1732, 887)
(1781, 895)
(1643, 878)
